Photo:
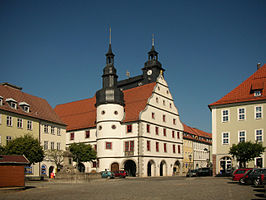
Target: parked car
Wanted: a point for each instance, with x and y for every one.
(107, 174)
(239, 173)
(205, 171)
(251, 175)
(192, 172)
(259, 180)
(121, 174)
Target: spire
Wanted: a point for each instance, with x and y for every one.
(153, 55)
(109, 55)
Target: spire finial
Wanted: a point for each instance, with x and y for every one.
(110, 35)
(152, 39)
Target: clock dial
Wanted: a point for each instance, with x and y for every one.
(149, 72)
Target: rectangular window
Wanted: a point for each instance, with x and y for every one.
(258, 135)
(87, 134)
(153, 115)
(58, 131)
(242, 136)
(165, 147)
(19, 123)
(173, 134)
(129, 128)
(157, 130)
(52, 130)
(29, 125)
(9, 121)
(164, 132)
(178, 135)
(127, 146)
(8, 139)
(258, 112)
(131, 145)
(95, 147)
(45, 145)
(225, 115)
(179, 149)
(157, 146)
(241, 114)
(174, 121)
(164, 118)
(173, 148)
(72, 136)
(52, 145)
(94, 164)
(148, 145)
(225, 138)
(108, 145)
(46, 128)
(148, 128)
(58, 146)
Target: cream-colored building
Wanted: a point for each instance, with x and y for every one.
(21, 114)
(133, 124)
(239, 116)
(197, 148)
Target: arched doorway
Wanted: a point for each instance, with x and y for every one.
(151, 168)
(176, 168)
(225, 165)
(81, 167)
(51, 169)
(163, 168)
(114, 167)
(130, 167)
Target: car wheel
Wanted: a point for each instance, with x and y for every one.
(257, 182)
(241, 181)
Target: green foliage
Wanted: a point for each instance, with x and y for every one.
(246, 151)
(2, 150)
(27, 146)
(82, 152)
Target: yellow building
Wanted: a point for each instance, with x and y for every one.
(239, 116)
(22, 113)
(196, 148)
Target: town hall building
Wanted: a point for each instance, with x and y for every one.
(133, 124)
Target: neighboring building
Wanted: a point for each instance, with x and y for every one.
(197, 148)
(133, 124)
(12, 170)
(239, 116)
(22, 113)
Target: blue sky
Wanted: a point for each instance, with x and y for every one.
(55, 49)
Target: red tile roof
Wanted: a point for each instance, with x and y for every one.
(39, 108)
(13, 159)
(82, 114)
(244, 92)
(199, 134)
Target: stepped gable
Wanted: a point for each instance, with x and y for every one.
(82, 114)
(245, 91)
(38, 108)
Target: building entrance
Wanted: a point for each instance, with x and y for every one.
(130, 167)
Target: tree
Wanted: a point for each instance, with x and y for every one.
(55, 156)
(246, 151)
(25, 145)
(82, 152)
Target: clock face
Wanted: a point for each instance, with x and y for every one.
(149, 72)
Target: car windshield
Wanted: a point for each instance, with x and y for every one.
(241, 171)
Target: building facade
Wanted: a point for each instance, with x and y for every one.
(133, 124)
(239, 116)
(197, 148)
(21, 114)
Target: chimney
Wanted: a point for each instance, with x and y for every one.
(258, 66)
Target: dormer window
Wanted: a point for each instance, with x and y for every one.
(257, 93)
(25, 107)
(12, 103)
(1, 100)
